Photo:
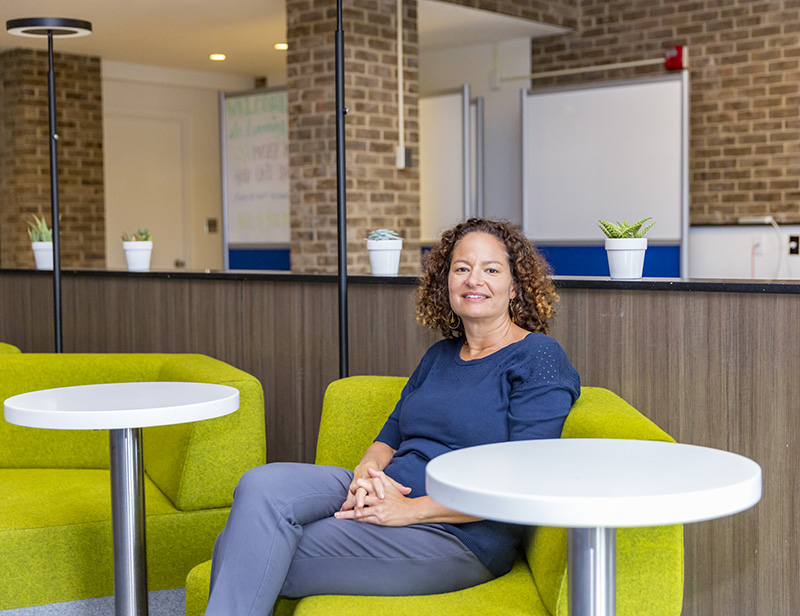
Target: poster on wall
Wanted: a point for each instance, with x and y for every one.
(255, 160)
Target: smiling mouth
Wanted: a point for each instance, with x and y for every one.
(473, 296)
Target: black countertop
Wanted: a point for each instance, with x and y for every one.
(562, 282)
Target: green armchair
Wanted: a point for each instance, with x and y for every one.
(55, 512)
(649, 560)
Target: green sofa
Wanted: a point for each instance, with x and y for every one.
(8, 348)
(649, 560)
(55, 512)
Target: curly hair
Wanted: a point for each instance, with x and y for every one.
(531, 309)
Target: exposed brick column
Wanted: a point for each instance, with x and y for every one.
(25, 158)
(378, 194)
(745, 89)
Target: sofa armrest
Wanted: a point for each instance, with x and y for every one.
(197, 465)
(649, 560)
(649, 569)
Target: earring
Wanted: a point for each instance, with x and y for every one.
(512, 310)
(454, 321)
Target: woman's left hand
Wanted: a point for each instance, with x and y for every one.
(385, 503)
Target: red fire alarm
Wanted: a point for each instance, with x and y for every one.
(676, 58)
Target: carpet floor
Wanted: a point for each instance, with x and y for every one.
(160, 603)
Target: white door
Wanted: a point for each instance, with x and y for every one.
(444, 162)
(146, 187)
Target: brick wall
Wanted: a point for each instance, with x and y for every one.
(745, 90)
(25, 158)
(378, 194)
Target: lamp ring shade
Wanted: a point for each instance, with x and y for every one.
(43, 26)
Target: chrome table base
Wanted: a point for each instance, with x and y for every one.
(592, 570)
(128, 521)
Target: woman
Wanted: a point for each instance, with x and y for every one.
(299, 530)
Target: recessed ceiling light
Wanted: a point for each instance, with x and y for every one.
(281, 46)
(217, 57)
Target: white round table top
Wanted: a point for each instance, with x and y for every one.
(121, 405)
(586, 483)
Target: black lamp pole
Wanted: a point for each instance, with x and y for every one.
(52, 27)
(51, 96)
(341, 199)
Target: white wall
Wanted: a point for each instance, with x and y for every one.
(450, 68)
(746, 252)
(162, 161)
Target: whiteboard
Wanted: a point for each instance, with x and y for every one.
(255, 161)
(616, 151)
(444, 161)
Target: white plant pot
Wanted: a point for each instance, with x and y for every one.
(43, 253)
(384, 256)
(137, 255)
(626, 257)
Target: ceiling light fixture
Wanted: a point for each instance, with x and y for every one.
(44, 26)
(281, 46)
(217, 57)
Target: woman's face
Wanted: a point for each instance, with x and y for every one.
(479, 283)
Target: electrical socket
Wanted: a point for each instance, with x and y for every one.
(794, 244)
(402, 157)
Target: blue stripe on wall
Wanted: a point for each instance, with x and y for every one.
(659, 261)
(259, 259)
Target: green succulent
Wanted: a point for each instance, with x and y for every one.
(142, 235)
(624, 229)
(38, 230)
(383, 234)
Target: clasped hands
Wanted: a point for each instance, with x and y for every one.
(377, 499)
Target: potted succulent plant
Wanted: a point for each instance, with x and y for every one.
(384, 248)
(41, 242)
(625, 247)
(138, 247)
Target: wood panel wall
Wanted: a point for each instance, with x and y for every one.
(714, 369)
(284, 333)
(720, 370)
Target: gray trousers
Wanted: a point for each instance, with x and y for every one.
(281, 538)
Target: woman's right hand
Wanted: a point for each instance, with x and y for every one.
(377, 456)
(355, 492)
(364, 484)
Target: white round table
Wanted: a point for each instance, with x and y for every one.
(591, 487)
(124, 409)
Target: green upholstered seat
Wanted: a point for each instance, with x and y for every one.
(55, 511)
(649, 560)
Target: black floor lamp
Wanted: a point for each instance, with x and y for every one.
(341, 201)
(52, 27)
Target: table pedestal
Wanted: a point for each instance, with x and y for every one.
(123, 409)
(127, 503)
(592, 570)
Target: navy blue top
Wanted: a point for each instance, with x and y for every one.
(523, 391)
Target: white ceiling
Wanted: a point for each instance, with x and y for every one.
(443, 25)
(182, 33)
